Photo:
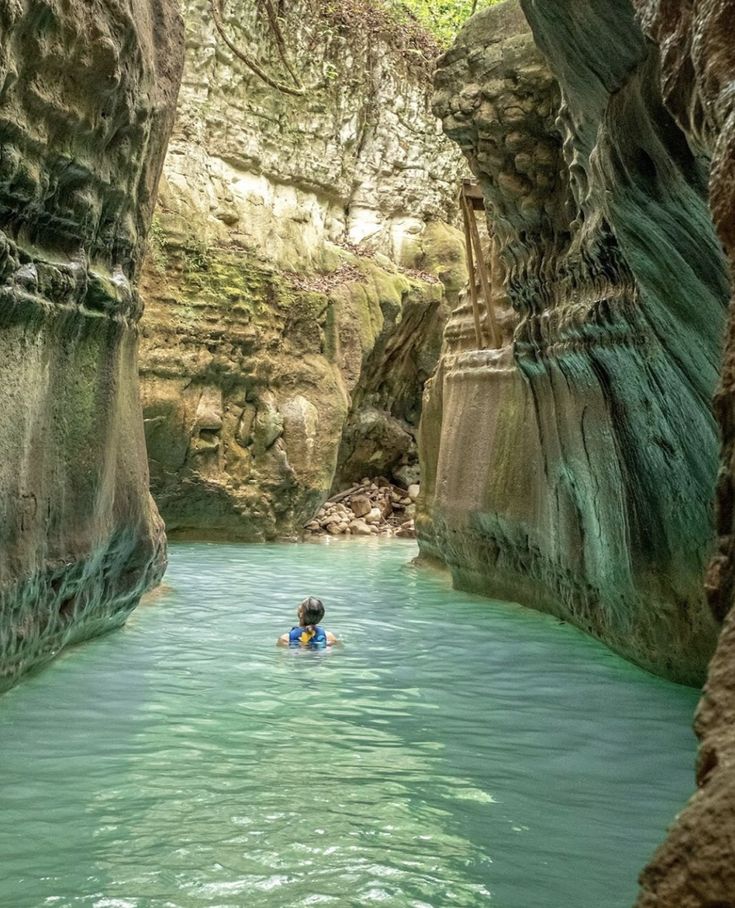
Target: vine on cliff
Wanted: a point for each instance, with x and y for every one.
(296, 88)
(418, 28)
(428, 26)
(387, 19)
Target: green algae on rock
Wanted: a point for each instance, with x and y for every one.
(248, 398)
(301, 269)
(573, 469)
(86, 106)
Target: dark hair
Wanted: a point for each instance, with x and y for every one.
(313, 611)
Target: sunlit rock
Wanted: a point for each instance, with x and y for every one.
(302, 264)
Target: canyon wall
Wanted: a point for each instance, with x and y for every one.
(302, 265)
(87, 99)
(695, 868)
(573, 468)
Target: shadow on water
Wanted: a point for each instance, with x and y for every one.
(454, 751)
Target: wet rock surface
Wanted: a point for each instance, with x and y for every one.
(694, 868)
(87, 100)
(302, 266)
(572, 469)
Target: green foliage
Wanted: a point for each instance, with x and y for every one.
(420, 28)
(156, 250)
(443, 18)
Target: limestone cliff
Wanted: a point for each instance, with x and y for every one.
(695, 868)
(299, 273)
(87, 98)
(573, 468)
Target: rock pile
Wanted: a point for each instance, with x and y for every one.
(371, 508)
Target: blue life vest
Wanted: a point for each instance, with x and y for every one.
(313, 637)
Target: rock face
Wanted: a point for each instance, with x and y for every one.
(573, 468)
(695, 867)
(300, 273)
(87, 97)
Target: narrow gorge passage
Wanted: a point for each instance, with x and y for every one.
(456, 751)
(454, 278)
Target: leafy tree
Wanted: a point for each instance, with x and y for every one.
(443, 18)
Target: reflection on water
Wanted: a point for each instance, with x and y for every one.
(454, 751)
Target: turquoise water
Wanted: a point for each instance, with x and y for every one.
(454, 751)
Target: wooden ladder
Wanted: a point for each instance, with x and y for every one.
(471, 200)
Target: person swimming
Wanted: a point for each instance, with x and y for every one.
(307, 632)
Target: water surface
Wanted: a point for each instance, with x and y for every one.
(455, 751)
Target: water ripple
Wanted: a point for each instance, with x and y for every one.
(454, 752)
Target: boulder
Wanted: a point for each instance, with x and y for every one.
(359, 528)
(361, 505)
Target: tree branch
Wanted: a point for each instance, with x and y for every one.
(217, 12)
(280, 40)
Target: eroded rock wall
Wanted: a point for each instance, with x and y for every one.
(573, 469)
(87, 99)
(695, 868)
(301, 268)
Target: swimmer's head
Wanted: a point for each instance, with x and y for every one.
(311, 611)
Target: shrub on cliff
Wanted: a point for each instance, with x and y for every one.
(442, 18)
(423, 26)
(420, 29)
